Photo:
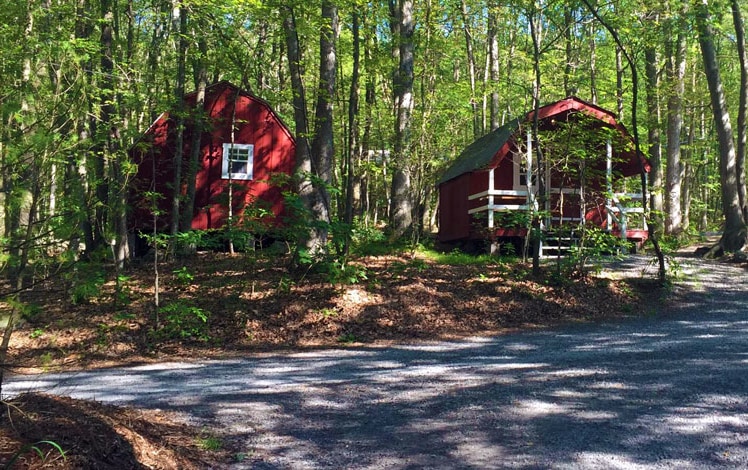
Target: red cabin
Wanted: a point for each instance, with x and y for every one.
(591, 174)
(262, 147)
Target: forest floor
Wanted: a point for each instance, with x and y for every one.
(215, 305)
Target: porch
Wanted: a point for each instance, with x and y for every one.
(567, 206)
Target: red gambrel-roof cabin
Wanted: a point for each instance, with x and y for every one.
(592, 167)
(262, 147)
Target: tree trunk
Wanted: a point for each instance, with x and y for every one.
(734, 235)
(653, 136)
(619, 83)
(323, 151)
(593, 64)
(477, 131)
(493, 57)
(313, 240)
(539, 160)
(401, 211)
(198, 127)
(676, 73)
(353, 145)
(570, 64)
(742, 107)
(180, 28)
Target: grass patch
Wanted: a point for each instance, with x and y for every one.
(458, 258)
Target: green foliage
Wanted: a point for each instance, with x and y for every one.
(459, 258)
(328, 313)
(183, 321)
(369, 240)
(37, 448)
(512, 219)
(208, 441)
(28, 311)
(183, 276)
(347, 338)
(86, 282)
(123, 293)
(37, 333)
(340, 273)
(285, 284)
(594, 244)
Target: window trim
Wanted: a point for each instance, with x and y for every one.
(250, 148)
(519, 171)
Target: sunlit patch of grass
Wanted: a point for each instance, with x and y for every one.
(458, 258)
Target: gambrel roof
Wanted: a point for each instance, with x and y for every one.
(488, 151)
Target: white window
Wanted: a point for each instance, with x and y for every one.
(238, 159)
(520, 172)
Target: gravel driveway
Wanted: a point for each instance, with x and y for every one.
(667, 390)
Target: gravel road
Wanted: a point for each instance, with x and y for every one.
(666, 390)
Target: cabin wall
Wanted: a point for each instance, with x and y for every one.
(454, 220)
(274, 152)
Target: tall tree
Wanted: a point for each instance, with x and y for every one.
(653, 130)
(401, 208)
(323, 150)
(468, 30)
(353, 125)
(734, 234)
(180, 38)
(742, 107)
(493, 61)
(308, 180)
(676, 74)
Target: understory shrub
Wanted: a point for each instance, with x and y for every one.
(180, 320)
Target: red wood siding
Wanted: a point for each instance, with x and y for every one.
(455, 224)
(274, 152)
(454, 220)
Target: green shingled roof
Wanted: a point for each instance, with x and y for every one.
(480, 153)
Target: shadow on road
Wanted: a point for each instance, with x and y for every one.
(666, 390)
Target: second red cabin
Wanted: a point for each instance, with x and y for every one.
(591, 175)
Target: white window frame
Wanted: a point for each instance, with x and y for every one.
(519, 170)
(240, 149)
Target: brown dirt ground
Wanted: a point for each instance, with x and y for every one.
(254, 305)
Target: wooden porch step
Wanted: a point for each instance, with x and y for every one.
(557, 245)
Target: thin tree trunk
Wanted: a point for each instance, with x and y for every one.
(742, 107)
(401, 209)
(619, 84)
(676, 72)
(493, 57)
(540, 160)
(198, 125)
(593, 64)
(477, 132)
(569, 64)
(353, 144)
(653, 136)
(180, 28)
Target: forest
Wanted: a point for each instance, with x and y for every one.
(381, 96)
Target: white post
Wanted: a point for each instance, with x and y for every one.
(530, 196)
(490, 197)
(609, 182)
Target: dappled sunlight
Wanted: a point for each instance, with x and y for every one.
(612, 461)
(664, 392)
(537, 408)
